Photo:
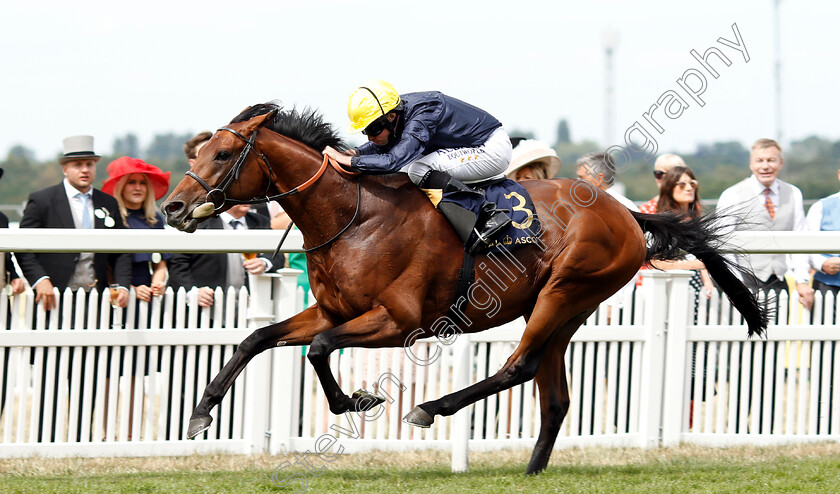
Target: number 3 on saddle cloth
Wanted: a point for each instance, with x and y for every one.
(507, 195)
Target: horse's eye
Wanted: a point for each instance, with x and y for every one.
(222, 156)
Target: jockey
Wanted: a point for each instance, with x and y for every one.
(441, 143)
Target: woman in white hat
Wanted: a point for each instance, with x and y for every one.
(531, 160)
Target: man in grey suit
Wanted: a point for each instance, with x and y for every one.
(763, 202)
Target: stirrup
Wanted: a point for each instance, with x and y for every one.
(491, 228)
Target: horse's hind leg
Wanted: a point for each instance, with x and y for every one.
(554, 400)
(520, 367)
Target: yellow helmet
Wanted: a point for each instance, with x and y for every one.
(370, 101)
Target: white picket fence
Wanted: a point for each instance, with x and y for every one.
(89, 380)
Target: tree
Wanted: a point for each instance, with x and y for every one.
(127, 146)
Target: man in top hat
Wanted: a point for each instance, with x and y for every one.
(74, 203)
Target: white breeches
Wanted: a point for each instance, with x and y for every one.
(490, 160)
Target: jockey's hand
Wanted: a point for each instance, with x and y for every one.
(341, 158)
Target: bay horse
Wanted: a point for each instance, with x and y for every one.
(383, 262)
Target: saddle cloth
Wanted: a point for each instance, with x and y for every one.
(510, 195)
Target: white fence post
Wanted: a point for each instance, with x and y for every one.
(461, 373)
(677, 363)
(257, 373)
(650, 413)
(285, 368)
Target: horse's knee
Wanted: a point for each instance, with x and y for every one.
(318, 349)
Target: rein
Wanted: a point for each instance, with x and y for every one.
(216, 195)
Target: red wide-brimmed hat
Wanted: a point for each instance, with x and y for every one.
(126, 166)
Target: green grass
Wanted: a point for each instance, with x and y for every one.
(811, 469)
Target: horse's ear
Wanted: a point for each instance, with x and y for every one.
(260, 120)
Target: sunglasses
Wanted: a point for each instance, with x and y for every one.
(376, 127)
(658, 174)
(683, 185)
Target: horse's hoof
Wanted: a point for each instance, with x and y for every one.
(198, 425)
(365, 400)
(418, 418)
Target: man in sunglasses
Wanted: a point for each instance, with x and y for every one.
(442, 143)
(661, 166)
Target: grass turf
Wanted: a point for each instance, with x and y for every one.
(804, 468)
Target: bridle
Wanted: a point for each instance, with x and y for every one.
(217, 195)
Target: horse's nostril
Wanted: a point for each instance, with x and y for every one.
(173, 207)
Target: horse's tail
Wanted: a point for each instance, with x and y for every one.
(670, 235)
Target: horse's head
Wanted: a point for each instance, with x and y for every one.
(228, 170)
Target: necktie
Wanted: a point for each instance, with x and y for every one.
(87, 221)
(234, 224)
(768, 204)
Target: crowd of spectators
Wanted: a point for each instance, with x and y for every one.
(127, 199)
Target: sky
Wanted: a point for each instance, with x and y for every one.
(110, 68)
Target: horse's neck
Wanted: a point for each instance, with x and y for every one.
(322, 209)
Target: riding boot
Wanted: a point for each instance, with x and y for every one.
(491, 222)
(477, 229)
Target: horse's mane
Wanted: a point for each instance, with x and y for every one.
(306, 126)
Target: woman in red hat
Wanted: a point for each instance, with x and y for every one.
(137, 185)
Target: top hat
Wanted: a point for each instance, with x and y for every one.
(77, 148)
(534, 153)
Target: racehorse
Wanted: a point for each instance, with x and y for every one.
(383, 262)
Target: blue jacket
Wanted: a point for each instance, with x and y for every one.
(430, 121)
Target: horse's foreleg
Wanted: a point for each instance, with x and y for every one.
(297, 330)
(554, 401)
(373, 329)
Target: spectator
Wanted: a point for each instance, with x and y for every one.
(440, 142)
(531, 160)
(680, 192)
(763, 202)
(593, 168)
(192, 146)
(7, 267)
(204, 272)
(824, 215)
(660, 167)
(74, 203)
(137, 185)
